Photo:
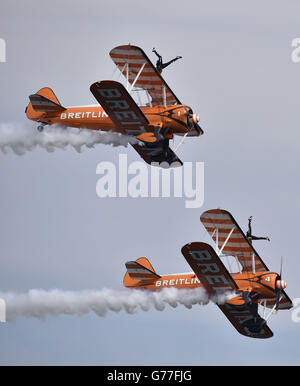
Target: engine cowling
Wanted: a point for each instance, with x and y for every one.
(273, 281)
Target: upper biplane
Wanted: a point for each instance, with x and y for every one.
(252, 285)
(156, 122)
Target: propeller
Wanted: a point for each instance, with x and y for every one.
(280, 285)
(192, 121)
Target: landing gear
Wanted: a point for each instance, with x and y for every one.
(41, 127)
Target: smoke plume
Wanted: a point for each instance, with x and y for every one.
(23, 137)
(41, 303)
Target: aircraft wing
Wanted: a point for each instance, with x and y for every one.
(158, 154)
(133, 61)
(209, 268)
(284, 304)
(231, 240)
(246, 320)
(120, 107)
(215, 278)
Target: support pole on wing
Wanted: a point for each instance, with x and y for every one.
(253, 263)
(164, 96)
(127, 76)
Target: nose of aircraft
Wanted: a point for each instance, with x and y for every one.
(196, 118)
(281, 284)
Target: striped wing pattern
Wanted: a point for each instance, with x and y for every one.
(222, 227)
(138, 272)
(40, 103)
(149, 79)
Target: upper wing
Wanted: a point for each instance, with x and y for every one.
(246, 320)
(158, 154)
(208, 267)
(133, 61)
(120, 106)
(230, 239)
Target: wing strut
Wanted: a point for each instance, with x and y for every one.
(253, 263)
(164, 96)
(137, 77)
(180, 143)
(127, 76)
(226, 241)
(272, 310)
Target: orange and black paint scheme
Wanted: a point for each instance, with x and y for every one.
(153, 124)
(254, 284)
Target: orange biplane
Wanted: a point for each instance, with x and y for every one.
(156, 122)
(252, 285)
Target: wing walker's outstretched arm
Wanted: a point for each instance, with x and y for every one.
(249, 234)
(160, 65)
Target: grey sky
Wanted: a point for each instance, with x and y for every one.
(237, 74)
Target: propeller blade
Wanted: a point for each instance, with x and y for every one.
(198, 129)
(190, 119)
(278, 295)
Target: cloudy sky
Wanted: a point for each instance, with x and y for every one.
(237, 74)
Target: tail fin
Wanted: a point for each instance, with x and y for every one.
(44, 101)
(139, 272)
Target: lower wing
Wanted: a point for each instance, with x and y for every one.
(246, 320)
(158, 154)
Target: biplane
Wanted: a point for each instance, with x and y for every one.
(153, 124)
(251, 286)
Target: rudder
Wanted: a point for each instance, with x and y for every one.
(139, 272)
(44, 101)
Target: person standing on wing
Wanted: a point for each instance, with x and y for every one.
(160, 65)
(249, 235)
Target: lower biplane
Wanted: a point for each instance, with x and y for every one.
(154, 124)
(252, 285)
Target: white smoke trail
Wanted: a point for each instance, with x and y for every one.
(41, 303)
(23, 137)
